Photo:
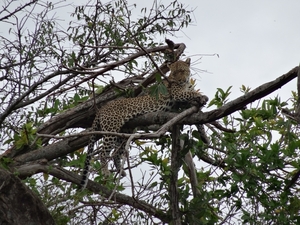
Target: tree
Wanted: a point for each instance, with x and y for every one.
(54, 77)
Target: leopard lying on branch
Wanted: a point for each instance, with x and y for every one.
(112, 116)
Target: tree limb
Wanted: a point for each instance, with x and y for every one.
(19, 9)
(18, 204)
(188, 159)
(175, 165)
(68, 176)
(225, 110)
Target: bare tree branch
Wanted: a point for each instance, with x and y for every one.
(251, 96)
(188, 159)
(19, 9)
(27, 170)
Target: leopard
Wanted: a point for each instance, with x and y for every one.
(113, 116)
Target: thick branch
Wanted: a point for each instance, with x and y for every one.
(53, 151)
(175, 165)
(62, 174)
(227, 109)
(72, 144)
(257, 93)
(18, 204)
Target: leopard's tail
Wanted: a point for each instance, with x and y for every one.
(86, 168)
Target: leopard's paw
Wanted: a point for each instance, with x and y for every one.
(202, 100)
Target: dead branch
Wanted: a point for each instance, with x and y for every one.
(188, 159)
(18, 9)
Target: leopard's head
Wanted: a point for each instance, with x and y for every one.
(180, 72)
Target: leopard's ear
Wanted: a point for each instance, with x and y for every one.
(188, 61)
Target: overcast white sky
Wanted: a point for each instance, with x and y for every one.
(256, 41)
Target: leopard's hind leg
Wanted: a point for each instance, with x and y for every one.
(109, 143)
(118, 154)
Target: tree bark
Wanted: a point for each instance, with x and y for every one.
(18, 204)
(175, 165)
